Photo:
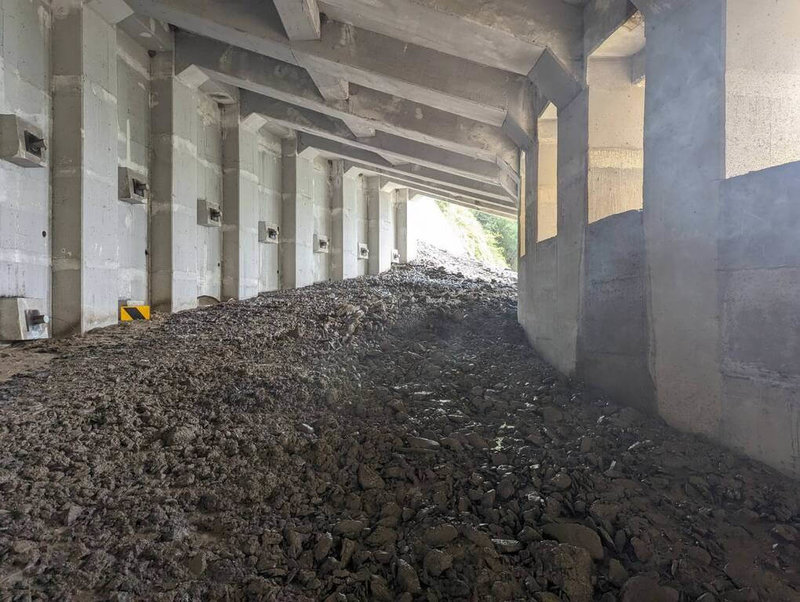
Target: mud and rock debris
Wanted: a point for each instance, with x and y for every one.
(386, 438)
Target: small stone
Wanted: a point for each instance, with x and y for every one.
(440, 535)
(577, 535)
(436, 562)
(349, 528)
(382, 536)
(379, 589)
(179, 435)
(641, 588)
(368, 478)
(699, 554)
(785, 532)
(617, 573)
(506, 488)
(561, 481)
(422, 443)
(529, 534)
(197, 564)
(642, 549)
(323, 547)
(72, 513)
(507, 546)
(407, 577)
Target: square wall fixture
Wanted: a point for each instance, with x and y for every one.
(132, 186)
(209, 215)
(321, 244)
(363, 251)
(268, 233)
(23, 319)
(21, 142)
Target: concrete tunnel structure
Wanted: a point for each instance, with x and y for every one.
(162, 152)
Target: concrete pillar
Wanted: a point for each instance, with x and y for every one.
(297, 229)
(84, 168)
(547, 192)
(572, 219)
(173, 202)
(379, 208)
(405, 232)
(616, 138)
(344, 232)
(684, 163)
(240, 250)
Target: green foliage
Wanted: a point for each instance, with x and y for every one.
(487, 238)
(504, 233)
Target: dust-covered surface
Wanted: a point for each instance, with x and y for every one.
(388, 438)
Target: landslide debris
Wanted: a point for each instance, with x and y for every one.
(386, 438)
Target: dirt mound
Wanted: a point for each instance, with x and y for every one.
(385, 438)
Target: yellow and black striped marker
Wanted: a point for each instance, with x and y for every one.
(129, 313)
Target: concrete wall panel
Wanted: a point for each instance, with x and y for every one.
(613, 347)
(25, 193)
(759, 292)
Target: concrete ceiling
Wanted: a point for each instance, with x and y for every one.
(438, 93)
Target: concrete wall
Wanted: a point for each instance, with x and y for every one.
(25, 193)
(759, 267)
(762, 79)
(613, 342)
(133, 138)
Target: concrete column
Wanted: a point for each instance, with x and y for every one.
(84, 169)
(173, 202)
(344, 232)
(297, 229)
(684, 164)
(405, 232)
(379, 206)
(240, 250)
(616, 138)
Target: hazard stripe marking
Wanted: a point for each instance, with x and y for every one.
(128, 314)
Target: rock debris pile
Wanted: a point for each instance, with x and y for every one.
(386, 438)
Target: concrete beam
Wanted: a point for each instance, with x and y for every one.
(411, 182)
(414, 194)
(300, 18)
(449, 83)
(331, 88)
(554, 81)
(113, 11)
(370, 109)
(310, 122)
(148, 33)
(509, 35)
(368, 158)
(440, 192)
